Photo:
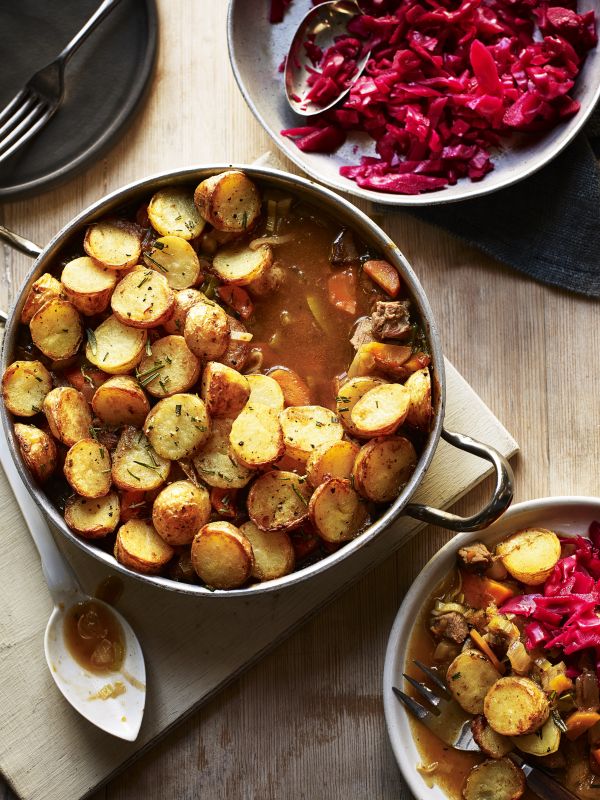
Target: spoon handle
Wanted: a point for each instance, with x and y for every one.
(59, 576)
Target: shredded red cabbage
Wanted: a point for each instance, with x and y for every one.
(447, 82)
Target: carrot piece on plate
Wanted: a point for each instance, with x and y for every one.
(238, 299)
(384, 275)
(342, 291)
(479, 591)
(579, 722)
(486, 650)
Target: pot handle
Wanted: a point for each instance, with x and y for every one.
(499, 502)
(19, 243)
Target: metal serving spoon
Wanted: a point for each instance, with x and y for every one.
(324, 22)
(112, 701)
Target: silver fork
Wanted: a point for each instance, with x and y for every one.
(40, 98)
(438, 700)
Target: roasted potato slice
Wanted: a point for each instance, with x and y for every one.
(498, 779)
(136, 465)
(177, 426)
(176, 259)
(37, 449)
(230, 201)
(273, 552)
(337, 511)
(139, 547)
(306, 428)
(170, 369)
(331, 461)
(544, 742)
(278, 501)
(95, 518)
(56, 329)
(115, 348)
(88, 468)
(115, 244)
(45, 288)
(375, 357)
(420, 412)
(224, 390)
(256, 438)
(469, 677)
(268, 282)
(349, 395)
(214, 464)
(68, 414)
(239, 265)
(383, 467)
(184, 300)
(143, 299)
(206, 330)
(25, 384)
(172, 212)
(222, 556)
(237, 352)
(381, 410)
(121, 401)
(265, 390)
(530, 555)
(87, 285)
(179, 511)
(491, 743)
(295, 389)
(515, 706)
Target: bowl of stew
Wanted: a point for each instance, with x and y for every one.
(225, 379)
(507, 618)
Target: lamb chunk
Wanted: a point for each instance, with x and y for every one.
(452, 626)
(391, 319)
(363, 332)
(475, 557)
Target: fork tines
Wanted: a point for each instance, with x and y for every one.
(416, 709)
(433, 700)
(21, 118)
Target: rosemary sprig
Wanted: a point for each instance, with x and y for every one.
(91, 337)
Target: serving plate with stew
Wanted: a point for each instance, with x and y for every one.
(517, 599)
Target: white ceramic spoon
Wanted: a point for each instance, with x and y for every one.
(120, 714)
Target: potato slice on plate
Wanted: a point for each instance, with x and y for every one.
(68, 414)
(515, 706)
(543, 742)
(170, 368)
(491, 743)
(177, 426)
(139, 547)
(179, 511)
(383, 467)
(136, 465)
(224, 390)
(184, 300)
(331, 461)
(306, 428)
(93, 518)
(381, 410)
(143, 299)
(265, 390)
(278, 501)
(530, 555)
(115, 348)
(469, 677)
(121, 401)
(45, 288)
(273, 552)
(214, 464)
(337, 511)
(176, 259)
(87, 285)
(240, 265)
(115, 244)
(238, 349)
(172, 212)
(349, 395)
(56, 329)
(25, 384)
(420, 412)
(230, 201)
(222, 556)
(37, 449)
(256, 437)
(88, 468)
(497, 778)
(206, 330)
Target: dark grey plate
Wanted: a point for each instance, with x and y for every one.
(106, 81)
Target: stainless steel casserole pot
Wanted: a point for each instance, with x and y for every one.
(347, 214)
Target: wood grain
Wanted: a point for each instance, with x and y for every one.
(307, 721)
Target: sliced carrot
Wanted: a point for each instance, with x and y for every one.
(384, 275)
(480, 591)
(295, 390)
(238, 299)
(223, 502)
(486, 650)
(579, 722)
(342, 291)
(560, 683)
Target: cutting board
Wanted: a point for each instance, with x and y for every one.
(193, 645)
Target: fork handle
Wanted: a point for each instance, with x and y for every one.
(544, 785)
(101, 12)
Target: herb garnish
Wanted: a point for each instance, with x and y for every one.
(91, 337)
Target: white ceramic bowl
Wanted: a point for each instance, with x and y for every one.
(569, 515)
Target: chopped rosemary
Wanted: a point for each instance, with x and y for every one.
(299, 495)
(156, 263)
(143, 464)
(456, 676)
(86, 377)
(157, 246)
(558, 721)
(145, 279)
(91, 337)
(177, 410)
(133, 475)
(37, 377)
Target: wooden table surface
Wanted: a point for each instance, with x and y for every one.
(307, 721)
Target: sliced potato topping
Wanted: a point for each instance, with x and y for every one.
(43, 289)
(176, 259)
(469, 677)
(25, 384)
(172, 212)
(383, 467)
(121, 401)
(337, 511)
(278, 501)
(222, 556)
(493, 744)
(238, 350)
(56, 329)
(240, 265)
(229, 201)
(224, 390)
(88, 468)
(87, 285)
(177, 426)
(115, 348)
(381, 410)
(306, 428)
(543, 742)
(498, 779)
(256, 438)
(273, 552)
(68, 414)
(206, 330)
(530, 555)
(515, 706)
(136, 465)
(179, 511)
(115, 244)
(143, 299)
(93, 518)
(184, 300)
(214, 463)
(420, 413)
(139, 547)
(349, 395)
(37, 449)
(265, 390)
(334, 460)
(170, 368)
